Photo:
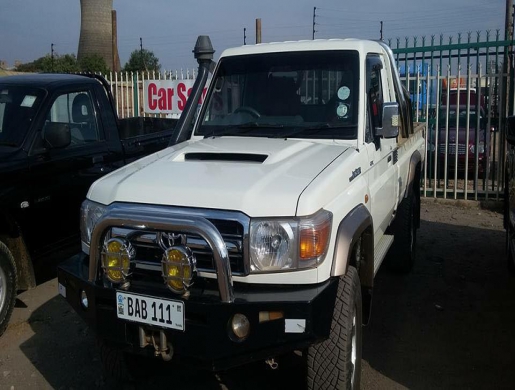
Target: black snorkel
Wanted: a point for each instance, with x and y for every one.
(203, 53)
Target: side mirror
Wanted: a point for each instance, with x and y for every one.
(510, 130)
(391, 119)
(57, 135)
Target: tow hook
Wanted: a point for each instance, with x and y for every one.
(159, 341)
(272, 363)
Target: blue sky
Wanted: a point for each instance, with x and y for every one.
(169, 28)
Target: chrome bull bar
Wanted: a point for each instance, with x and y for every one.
(143, 217)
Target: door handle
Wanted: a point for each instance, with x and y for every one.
(389, 158)
(98, 159)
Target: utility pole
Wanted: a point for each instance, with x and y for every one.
(381, 31)
(52, 55)
(508, 36)
(114, 28)
(314, 22)
(258, 30)
(508, 21)
(244, 36)
(144, 65)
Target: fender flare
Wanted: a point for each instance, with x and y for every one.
(416, 158)
(351, 228)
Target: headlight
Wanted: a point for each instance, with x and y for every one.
(480, 148)
(281, 245)
(272, 245)
(90, 213)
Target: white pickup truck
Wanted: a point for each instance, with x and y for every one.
(259, 232)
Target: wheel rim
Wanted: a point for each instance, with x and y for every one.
(3, 289)
(353, 357)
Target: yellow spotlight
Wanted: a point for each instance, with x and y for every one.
(117, 255)
(179, 268)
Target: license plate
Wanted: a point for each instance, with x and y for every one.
(164, 313)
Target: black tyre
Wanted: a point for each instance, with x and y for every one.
(8, 286)
(402, 254)
(510, 256)
(336, 362)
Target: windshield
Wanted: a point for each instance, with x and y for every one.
(287, 94)
(461, 116)
(18, 107)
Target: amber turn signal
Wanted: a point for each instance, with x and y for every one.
(265, 316)
(314, 239)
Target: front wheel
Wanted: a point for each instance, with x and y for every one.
(8, 283)
(336, 362)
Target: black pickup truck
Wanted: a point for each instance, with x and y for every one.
(58, 134)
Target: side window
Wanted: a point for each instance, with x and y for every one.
(76, 110)
(375, 89)
(369, 135)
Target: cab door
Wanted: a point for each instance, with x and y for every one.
(382, 152)
(60, 177)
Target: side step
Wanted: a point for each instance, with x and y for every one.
(381, 249)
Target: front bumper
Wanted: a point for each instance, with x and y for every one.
(206, 338)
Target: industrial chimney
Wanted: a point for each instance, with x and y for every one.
(96, 31)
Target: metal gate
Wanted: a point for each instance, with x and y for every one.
(461, 89)
(127, 88)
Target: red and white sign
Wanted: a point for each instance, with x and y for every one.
(168, 96)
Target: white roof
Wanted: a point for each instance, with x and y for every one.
(307, 45)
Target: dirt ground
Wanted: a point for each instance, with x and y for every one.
(450, 324)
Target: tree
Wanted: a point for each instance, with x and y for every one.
(93, 63)
(66, 63)
(142, 60)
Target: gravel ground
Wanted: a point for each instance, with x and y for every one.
(448, 325)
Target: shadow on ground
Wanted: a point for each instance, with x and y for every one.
(449, 324)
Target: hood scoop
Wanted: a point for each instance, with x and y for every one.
(226, 157)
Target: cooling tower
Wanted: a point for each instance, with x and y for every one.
(96, 31)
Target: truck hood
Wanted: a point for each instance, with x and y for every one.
(258, 176)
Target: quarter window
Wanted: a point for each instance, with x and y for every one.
(375, 89)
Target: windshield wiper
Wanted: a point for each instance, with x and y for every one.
(309, 130)
(241, 129)
(8, 144)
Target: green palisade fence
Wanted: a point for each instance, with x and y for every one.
(462, 88)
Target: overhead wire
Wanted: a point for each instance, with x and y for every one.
(328, 23)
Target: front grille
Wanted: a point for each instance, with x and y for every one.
(462, 149)
(149, 252)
